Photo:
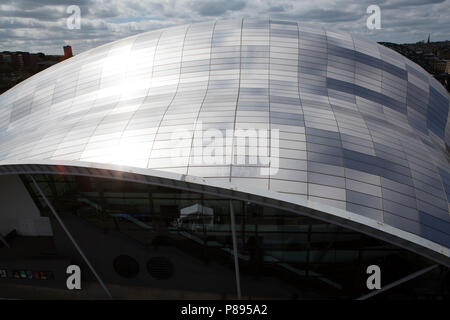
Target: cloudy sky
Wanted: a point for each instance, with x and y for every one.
(41, 25)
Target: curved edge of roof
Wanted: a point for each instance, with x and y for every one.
(292, 203)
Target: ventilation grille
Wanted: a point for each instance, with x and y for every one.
(160, 268)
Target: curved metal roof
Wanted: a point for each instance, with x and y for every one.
(359, 128)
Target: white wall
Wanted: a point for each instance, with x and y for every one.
(18, 211)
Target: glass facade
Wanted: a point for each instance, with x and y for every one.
(361, 128)
(188, 245)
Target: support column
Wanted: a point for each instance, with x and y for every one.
(63, 226)
(235, 251)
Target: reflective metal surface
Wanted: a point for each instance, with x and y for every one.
(361, 128)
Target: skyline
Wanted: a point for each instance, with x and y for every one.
(41, 26)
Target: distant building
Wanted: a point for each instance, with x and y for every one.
(67, 52)
(20, 60)
(18, 66)
(5, 57)
(41, 65)
(441, 66)
(443, 53)
(434, 57)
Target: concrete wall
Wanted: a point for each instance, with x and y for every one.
(18, 211)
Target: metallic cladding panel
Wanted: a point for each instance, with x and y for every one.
(360, 127)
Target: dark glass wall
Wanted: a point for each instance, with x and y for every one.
(185, 244)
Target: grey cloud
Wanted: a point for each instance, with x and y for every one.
(277, 8)
(328, 15)
(33, 4)
(393, 4)
(42, 14)
(217, 7)
(40, 24)
(19, 24)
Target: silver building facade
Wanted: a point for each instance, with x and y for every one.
(363, 131)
